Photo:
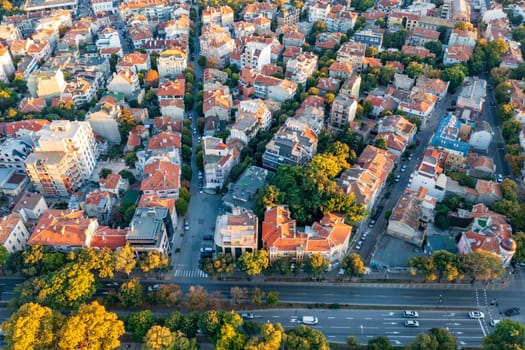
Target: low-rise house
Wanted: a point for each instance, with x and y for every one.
(161, 178)
(236, 233)
(242, 193)
(99, 205)
(135, 61)
(83, 88)
(429, 174)
(326, 85)
(513, 58)
(64, 230)
(217, 103)
(329, 237)
(32, 105)
(398, 125)
(154, 201)
(488, 231)
(472, 94)
(139, 36)
(262, 25)
(457, 54)
(352, 85)
(381, 104)
(125, 82)
(294, 143)
(417, 51)
(256, 108)
(437, 87)
(419, 104)
(114, 184)
(219, 159)
(340, 70)
(403, 81)
(480, 167)
(13, 233)
(410, 216)
(150, 230)
(30, 206)
(421, 36)
(327, 41)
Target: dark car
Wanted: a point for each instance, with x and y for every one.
(208, 238)
(513, 311)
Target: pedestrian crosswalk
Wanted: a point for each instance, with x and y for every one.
(195, 273)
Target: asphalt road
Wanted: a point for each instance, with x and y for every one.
(337, 325)
(397, 189)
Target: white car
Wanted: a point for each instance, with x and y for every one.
(359, 245)
(493, 323)
(410, 314)
(500, 178)
(153, 288)
(411, 323)
(476, 314)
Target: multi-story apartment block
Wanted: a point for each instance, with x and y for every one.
(236, 233)
(172, 62)
(13, 233)
(103, 118)
(294, 143)
(104, 6)
(319, 11)
(256, 108)
(83, 88)
(125, 82)
(344, 108)
(257, 9)
(273, 88)
(463, 37)
(429, 174)
(472, 94)
(108, 39)
(219, 159)
(154, 10)
(352, 52)
(222, 16)
(135, 61)
(150, 230)
(256, 55)
(447, 137)
(13, 153)
(7, 68)
(301, 68)
(288, 16)
(217, 45)
(369, 38)
(46, 83)
(65, 155)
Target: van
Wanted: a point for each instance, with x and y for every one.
(310, 320)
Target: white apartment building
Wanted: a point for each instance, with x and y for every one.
(103, 6)
(236, 233)
(256, 108)
(172, 62)
(256, 55)
(301, 68)
(65, 155)
(219, 159)
(13, 233)
(7, 68)
(46, 83)
(13, 153)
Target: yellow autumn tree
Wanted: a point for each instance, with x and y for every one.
(153, 260)
(125, 260)
(91, 328)
(33, 327)
(159, 338)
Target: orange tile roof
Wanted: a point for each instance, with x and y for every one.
(110, 182)
(94, 198)
(166, 123)
(152, 200)
(172, 88)
(106, 237)
(7, 224)
(31, 104)
(132, 59)
(32, 125)
(160, 176)
(63, 228)
(164, 140)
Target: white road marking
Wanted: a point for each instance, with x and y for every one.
(331, 317)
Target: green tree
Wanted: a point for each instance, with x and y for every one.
(105, 172)
(257, 296)
(519, 256)
(353, 265)
(505, 111)
(518, 33)
(202, 61)
(353, 343)
(455, 75)
(380, 343)
(91, 327)
(131, 293)
(446, 265)
(435, 46)
(425, 266)
(253, 263)
(219, 265)
(175, 321)
(482, 265)
(4, 255)
(362, 5)
(139, 323)
(423, 341)
(33, 326)
(305, 338)
(113, 60)
(508, 335)
(186, 172)
(159, 338)
(414, 69)
(381, 143)
(444, 339)
(272, 298)
(316, 264)
(181, 206)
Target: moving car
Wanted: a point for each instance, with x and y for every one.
(310, 320)
(246, 315)
(513, 311)
(359, 245)
(153, 288)
(500, 178)
(206, 250)
(476, 314)
(410, 314)
(411, 323)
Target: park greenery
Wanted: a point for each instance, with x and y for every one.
(311, 191)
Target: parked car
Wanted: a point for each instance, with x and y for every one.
(359, 245)
(513, 311)
(153, 288)
(411, 323)
(208, 238)
(500, 178)
(410, 314)
(476, 314)
(493, 323)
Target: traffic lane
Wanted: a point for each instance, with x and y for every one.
(339, 324)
